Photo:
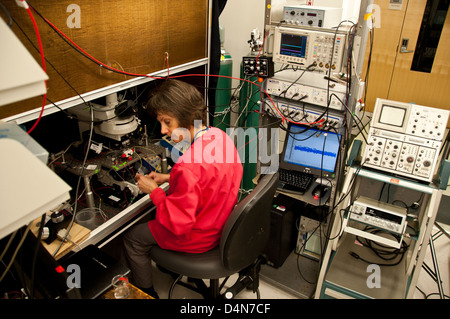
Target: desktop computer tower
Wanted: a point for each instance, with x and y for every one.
(283, 229)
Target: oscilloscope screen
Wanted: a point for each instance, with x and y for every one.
(293, 45)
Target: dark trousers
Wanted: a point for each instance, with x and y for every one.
(138, 242)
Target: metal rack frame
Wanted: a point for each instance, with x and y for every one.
(417, 251)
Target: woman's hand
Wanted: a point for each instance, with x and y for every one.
(159, 178)
(147, 183)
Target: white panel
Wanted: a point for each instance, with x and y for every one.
(28, 188)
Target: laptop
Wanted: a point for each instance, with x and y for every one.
(96, 269)
(309, 152)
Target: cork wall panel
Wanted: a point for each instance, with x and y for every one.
(133, 36)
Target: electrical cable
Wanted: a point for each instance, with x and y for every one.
(354, 117)
(8, 244)
(79, 180)
(16, 251)
(283, 118)
(84, 53)
(35, 255)
(307, 69)
(369, 60)
(8, 15)
(383, 252)
(56, 70)
(41, 50)
(341, 199)
(103, 65)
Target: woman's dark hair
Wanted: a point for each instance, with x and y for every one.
(180, 100)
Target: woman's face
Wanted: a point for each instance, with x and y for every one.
(168, 124)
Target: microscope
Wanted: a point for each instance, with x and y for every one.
(117, 151)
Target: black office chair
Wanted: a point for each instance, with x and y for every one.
(244, 239)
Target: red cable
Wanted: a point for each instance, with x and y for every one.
(262, 45)
(177, 76)
(97, 61)
(260, 88)
(43, 67)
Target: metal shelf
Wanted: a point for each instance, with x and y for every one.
(89, 96)
(405, 277)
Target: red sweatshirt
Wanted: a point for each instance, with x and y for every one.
(204, 185)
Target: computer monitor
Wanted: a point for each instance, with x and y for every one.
(310, 150)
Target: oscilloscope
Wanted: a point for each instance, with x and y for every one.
(307, 46)
(405, 139)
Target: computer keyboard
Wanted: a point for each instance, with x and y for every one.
(295, 181)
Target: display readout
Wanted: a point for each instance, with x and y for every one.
(293, 45)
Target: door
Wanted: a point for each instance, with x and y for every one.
(410, 53)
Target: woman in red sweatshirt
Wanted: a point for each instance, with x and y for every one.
(203, 183)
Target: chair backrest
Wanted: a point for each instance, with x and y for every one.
(247, 230)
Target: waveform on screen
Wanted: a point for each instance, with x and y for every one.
(314, 151)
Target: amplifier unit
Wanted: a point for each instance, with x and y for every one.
(389, 218)
(312, 16)
(308, 87)
(300, 113)
(380, 215)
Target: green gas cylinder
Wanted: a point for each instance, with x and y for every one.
(223, 92)
(249, 99)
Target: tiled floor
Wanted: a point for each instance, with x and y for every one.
(425, 286)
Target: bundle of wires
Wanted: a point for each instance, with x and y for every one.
(390, 256)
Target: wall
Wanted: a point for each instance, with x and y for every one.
(238, 19)
(129, 35)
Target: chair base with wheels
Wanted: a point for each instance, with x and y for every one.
(248, 278)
